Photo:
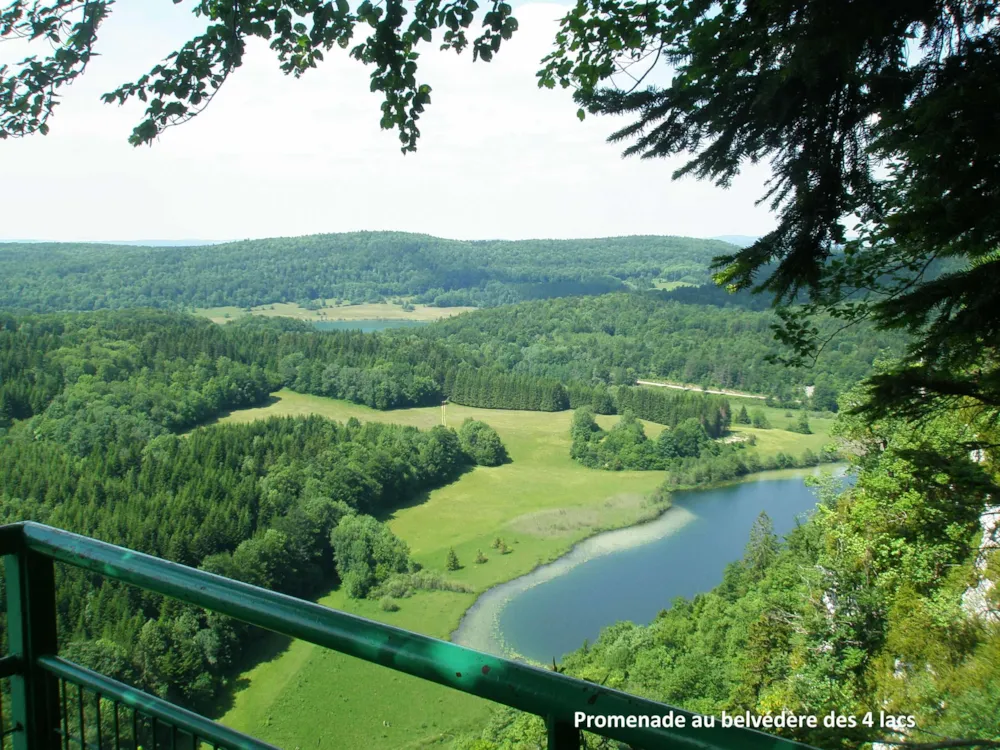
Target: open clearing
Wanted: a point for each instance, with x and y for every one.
(540, 504)
(379, 311)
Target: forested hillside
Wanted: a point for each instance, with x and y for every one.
(358, 267)
(279, 503)
(90, 406)
(143, 372)
(617, 338)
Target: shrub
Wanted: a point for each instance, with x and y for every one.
(366, 553)
(481, 443)
(389, 604)
(405, 585)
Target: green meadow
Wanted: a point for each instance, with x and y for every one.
(540, 504)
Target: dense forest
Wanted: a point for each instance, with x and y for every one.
(160, 371)
(870, 607)
(171, 371)
(285, 503)
(617, 338)
(358, 267)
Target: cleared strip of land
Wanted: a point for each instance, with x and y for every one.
(735, 394)
(372, 311)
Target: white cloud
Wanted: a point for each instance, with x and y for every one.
(499, 158)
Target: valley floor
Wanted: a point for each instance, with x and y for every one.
(541, 504)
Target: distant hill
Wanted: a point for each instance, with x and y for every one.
(357, 267)
(131, 243)
(740, 240)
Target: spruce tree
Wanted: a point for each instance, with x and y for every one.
(802, 425)
(452, 562)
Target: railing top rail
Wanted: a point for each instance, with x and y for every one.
(521, 686)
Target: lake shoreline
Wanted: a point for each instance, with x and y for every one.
(479, 627)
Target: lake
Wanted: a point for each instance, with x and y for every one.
(630, 574)
(366, 325)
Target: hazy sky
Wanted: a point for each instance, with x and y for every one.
(272, 156)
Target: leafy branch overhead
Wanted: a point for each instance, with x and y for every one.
(384, 35)
(881, 119)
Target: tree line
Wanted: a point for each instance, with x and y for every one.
(687, 451)
(172, 371)
(615, 339)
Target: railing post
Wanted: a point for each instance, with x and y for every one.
(31, 632)
(562, 735)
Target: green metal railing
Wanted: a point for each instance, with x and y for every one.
(57, 704)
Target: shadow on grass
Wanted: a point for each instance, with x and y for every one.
(263, 647)
(271, 400)
(419, 498)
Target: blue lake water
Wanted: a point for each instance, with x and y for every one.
(630, 574)
(365, 325)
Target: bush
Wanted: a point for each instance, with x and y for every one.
(481, 443)
(366, 553)
(801, 425)
(480, 557)
(405, 585)
(389, 604)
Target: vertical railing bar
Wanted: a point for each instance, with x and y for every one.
(53, 721)
(31, 633)
(83, 731)
(153, 726)
(97, 696)
(3, 736)
(118, 734)
(65, 714)
(135, 729)
(561, 734)
(173, 737)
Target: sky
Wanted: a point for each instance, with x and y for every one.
(499, 158)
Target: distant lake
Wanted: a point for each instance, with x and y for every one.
(367, 326)
(630, 574)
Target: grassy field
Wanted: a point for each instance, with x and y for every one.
(669, 286)
(540, 504)
(380, 311)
